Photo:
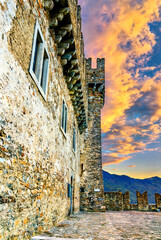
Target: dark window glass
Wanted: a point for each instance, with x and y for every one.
(74, 139)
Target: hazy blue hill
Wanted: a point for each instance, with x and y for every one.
(123, 183)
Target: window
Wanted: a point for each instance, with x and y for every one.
(69, 190)
(39, 64)
(64, 117)
(82, 170)
(74, 140)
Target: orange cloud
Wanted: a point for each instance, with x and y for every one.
(130, 25)
(119, 31)
(131, 166)
(109, 159)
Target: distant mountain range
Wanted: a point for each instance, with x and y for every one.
(123, 183)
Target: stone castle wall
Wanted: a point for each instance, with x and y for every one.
(91, 177)
(158, 200)
(118, 201)
(114, 201)
(142, 200)
(37, 161)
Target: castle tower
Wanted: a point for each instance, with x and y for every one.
(92, 192)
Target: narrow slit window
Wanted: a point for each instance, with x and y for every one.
(64, 117)
(82, 169)
(39, 64)
(74, 140)
(65, 125)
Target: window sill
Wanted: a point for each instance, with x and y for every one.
(62, 130)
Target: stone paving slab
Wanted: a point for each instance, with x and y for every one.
(132, 225)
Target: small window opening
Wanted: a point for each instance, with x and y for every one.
(64, 117)
(74, 140)
(82, 169)
(69, 190)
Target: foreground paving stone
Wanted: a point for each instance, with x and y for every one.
(109, 225)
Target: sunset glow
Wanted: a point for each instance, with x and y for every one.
(128, 34)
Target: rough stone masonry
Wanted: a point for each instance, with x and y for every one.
(50, 105)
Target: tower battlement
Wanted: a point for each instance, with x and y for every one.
(100, 63)
(96, 76)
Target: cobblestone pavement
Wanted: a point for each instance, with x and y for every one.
(110, 225)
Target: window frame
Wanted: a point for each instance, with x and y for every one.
(64, 118)
(43, 61)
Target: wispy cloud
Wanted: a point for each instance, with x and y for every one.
(131, 166)
(120, 31)
(114, 158)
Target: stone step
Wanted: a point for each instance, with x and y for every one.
(55, 238)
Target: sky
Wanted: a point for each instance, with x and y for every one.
(127, 33)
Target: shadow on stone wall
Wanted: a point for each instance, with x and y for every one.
(117, 201)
